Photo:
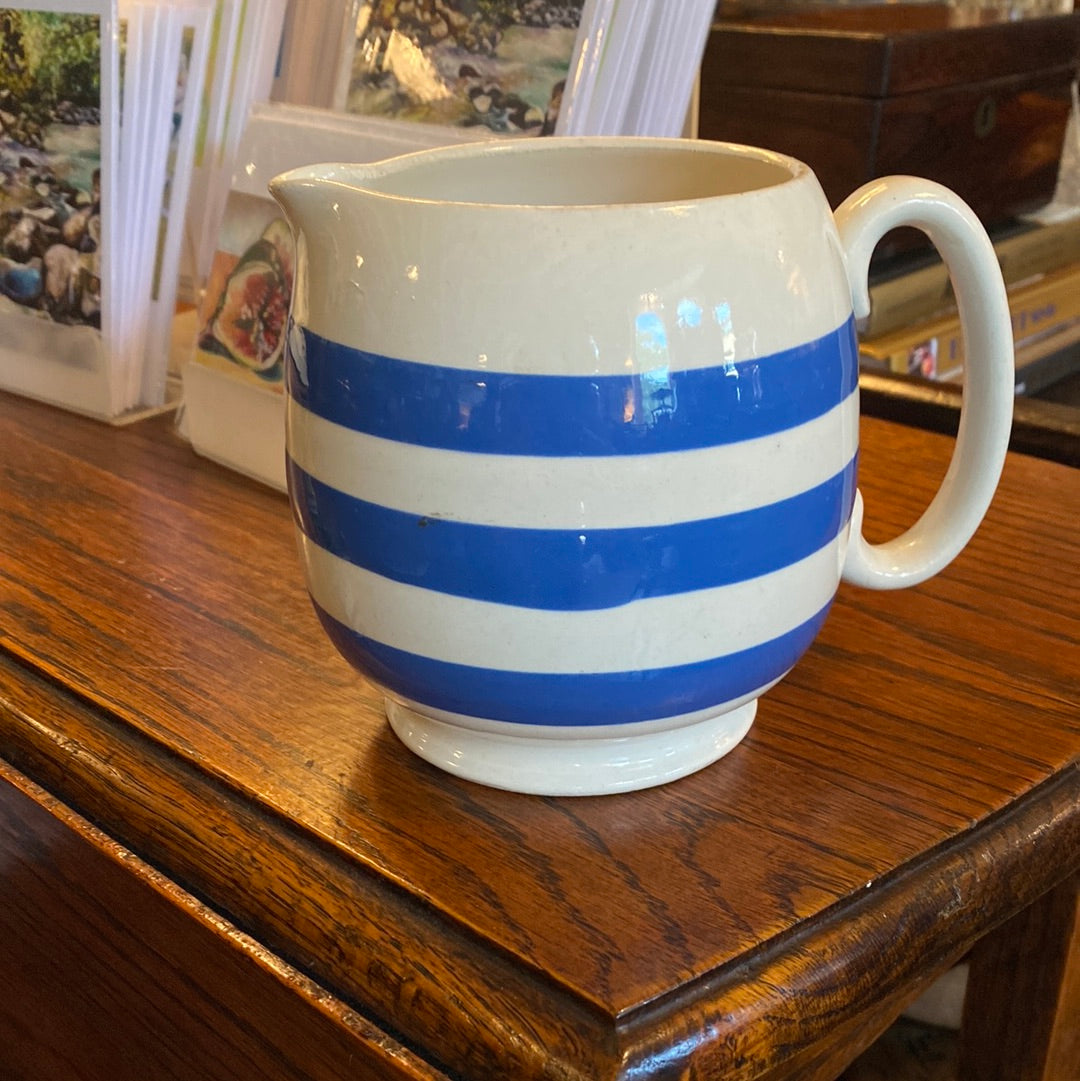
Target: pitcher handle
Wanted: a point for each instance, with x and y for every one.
(986, 413)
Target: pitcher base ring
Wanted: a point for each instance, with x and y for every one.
(567, 765)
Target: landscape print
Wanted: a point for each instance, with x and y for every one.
(50, 165)
(501, 64)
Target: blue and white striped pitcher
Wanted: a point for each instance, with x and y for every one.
(573, 434)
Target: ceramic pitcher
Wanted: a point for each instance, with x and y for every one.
(572, 438)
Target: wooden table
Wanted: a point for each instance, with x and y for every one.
(216, 861)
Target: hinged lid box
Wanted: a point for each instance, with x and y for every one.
(864, 91)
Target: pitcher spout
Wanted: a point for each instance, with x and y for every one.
(303, 193)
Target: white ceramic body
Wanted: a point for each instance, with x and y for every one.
(572, 438)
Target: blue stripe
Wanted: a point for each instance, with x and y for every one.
(649, 412)
(561, 700)
(570, 569)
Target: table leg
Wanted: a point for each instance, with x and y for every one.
(1022, 1010)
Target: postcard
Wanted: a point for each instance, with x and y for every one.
(54, 131)
(246, 304)
(500, 65)
(58, 147)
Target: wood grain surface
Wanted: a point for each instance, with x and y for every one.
(880, 51)
(867, 91)
(1045, 429)
(1022, 1011)
(997, 144)
(130, 978)
(161, 671)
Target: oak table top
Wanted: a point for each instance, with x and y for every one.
(911, 785)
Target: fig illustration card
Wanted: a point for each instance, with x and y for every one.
(246, 303)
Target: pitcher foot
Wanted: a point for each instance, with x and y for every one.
(568, 765)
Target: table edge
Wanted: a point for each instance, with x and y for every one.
(343, 1032)
(734, 1019)
(911, 924)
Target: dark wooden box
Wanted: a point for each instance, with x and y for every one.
(862, 92)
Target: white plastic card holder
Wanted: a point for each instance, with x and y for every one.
(144, 162)
(279, 137)
(210, 147)
(634, 67)
(317, 49)
(669, 86)
(342, 44)
(265, 48)
(585, 63)
(136, 119)
(242, 68)
(187, 56)
(628, 45)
